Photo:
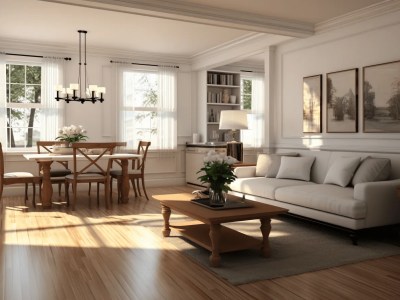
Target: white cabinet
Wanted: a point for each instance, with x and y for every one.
(219, 90)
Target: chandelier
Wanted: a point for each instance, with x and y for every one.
(76, 91)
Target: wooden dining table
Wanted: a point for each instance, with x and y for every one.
(46, 159)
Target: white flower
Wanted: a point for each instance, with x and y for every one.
(213, 156)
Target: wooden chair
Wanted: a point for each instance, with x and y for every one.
(135, 174)
(57, 174)
(84, 172)
(17, 178)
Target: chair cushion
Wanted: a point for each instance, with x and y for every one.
(295, 168)
(60, 173)
(342, 170)
(18, 175)
(372, 169)
(86, 176)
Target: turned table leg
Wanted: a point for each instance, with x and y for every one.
(215, 236)
(47, 189)
(166, 213)
(125, 181)
(265, 230)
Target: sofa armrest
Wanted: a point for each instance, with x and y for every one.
(382, 201)
(244, 172)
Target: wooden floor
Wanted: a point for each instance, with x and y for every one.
(94, 253)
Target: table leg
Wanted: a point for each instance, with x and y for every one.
(265, 230)
(215, 236)
(125, 181)
(166, 213)
(47, 188)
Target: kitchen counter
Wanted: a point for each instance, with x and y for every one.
(207, 145)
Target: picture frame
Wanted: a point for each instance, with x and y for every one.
(381, 98)
(312, 104)
(342, 101)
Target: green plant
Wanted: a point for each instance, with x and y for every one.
(218, 171)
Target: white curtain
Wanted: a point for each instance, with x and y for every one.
(254, 136)
(52, 110)
(167, 91)
(3, 100)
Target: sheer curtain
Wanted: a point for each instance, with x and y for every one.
(3, 101)
(52, 110)
(254, 136)
(128, 125)
(167, 90)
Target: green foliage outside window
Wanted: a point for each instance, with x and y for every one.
(246, 91)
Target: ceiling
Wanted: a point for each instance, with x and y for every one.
(182, 28)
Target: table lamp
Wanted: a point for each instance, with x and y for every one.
(234, 120)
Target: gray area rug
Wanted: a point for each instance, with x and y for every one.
(296, 247)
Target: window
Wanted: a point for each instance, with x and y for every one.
(252, 99)
(148, 110)
(28, 110)
(23, 97)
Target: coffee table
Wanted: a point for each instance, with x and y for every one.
(208, 231)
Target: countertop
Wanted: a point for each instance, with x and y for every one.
(207, 145)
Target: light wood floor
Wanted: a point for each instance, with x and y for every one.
(94, 253)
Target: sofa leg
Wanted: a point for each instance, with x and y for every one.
(354, 238)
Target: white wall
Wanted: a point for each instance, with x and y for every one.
(373, 41)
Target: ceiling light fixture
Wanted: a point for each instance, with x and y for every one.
(76, 92)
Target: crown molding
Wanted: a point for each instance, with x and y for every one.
(196, 13)
(376, 10)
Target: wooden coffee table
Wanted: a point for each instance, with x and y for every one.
(208, 231)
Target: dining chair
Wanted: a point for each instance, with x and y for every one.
(58, 173)
(17, 178)
(89, 169)
(136, 173)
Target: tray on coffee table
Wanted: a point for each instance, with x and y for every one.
(229, 204)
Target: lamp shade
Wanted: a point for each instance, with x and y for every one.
(233, 119)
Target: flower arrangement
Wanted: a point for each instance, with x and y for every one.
(218, 172)
(72, 134)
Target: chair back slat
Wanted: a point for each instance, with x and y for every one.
(84, 149)
(143, 147)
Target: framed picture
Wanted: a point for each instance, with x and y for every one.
(342, 101)
(312, 104)
(381, 98)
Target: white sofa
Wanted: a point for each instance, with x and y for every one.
(366, 205)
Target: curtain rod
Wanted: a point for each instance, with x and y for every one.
(139, 64)
(30, 55)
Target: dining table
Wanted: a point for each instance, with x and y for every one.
(46, 159)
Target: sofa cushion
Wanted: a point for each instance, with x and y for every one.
(342, 170)
(324, 197)
(295, 168)
(263, 187)
(268, 164)
(372, 169)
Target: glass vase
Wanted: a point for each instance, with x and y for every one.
(217, 197)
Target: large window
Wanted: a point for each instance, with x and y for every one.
(148, 110)
(252, 99)
(23, 98)
(28, 110)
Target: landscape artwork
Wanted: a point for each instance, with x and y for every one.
(341, 100)
(381, 98)
(312, 108)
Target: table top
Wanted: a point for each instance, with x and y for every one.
(51, 156)
(181, 203)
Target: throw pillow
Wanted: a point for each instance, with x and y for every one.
(295, 168)
(268, 164)
(342, 170)
(372, 169)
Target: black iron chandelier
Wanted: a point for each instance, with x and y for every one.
(76, 91)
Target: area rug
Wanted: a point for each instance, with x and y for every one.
(296, 247)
